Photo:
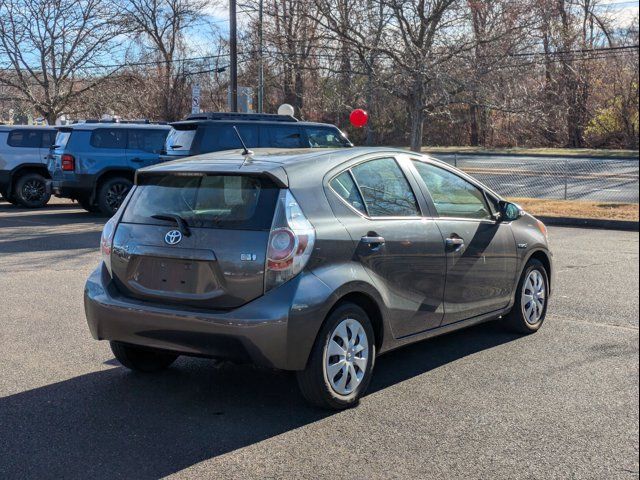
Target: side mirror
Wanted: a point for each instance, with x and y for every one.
(510, 212)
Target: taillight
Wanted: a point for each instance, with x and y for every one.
(68, 163)
(106, 242)
(290, 242)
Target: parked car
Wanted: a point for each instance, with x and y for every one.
(23, 164)
(311, 261)
(95, 163)
(213, 132)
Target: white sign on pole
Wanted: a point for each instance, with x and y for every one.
(195, 99)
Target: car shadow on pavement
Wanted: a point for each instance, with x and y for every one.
(114, 423)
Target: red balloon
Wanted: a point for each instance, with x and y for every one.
(359, 118)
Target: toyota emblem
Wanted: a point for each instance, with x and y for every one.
(173, 237)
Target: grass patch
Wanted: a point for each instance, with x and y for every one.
(567, 152)
(579, 209)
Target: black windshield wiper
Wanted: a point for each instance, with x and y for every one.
(172, 217)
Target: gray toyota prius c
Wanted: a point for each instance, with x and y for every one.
(311, 261)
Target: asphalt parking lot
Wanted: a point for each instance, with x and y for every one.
(480, 403)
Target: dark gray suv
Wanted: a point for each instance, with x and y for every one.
(311, 261)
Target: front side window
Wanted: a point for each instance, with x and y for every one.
(25, 138)
(281, 136)
(320, 137)
(452, 195)
(344, 186)
(385, 189)
(146, 140)
(109, 138)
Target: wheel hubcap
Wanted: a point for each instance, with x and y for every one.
(533, 297)
(346, 356)
(33, 190)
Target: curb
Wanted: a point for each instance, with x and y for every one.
(541, 155)
(624, 225)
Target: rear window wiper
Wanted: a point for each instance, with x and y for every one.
(172, 217)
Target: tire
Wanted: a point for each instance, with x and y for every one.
(88, 206)
(30, 191)
(141, 359)
(112, 193)
(315, 385)
(521, 318)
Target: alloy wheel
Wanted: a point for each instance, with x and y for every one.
(116, 195)
(33, 190)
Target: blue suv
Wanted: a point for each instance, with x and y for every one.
(95, 163)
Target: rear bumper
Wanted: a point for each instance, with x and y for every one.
(276, 330)
(82, 186)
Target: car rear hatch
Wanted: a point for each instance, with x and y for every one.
(56, 151)
(195, 240)
(179, 141)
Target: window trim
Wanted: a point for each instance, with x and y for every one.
(464, 177)
(420, 216)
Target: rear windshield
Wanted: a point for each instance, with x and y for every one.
(204, 201)
(178, 140)
(62, 137)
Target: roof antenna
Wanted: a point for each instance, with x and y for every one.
(245, 150)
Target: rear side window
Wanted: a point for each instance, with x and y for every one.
(344, 186)
(109, 138)
(204, 201)
(146, 140)
(319, 137)
(452, 195)
(48, 138)
(224, 137)
(281, 136)
(385, 189)
(25, 138)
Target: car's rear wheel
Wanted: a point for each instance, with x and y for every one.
(342, 359)
(530, 307)
(141, 359)
(30, 191)
(112, 193)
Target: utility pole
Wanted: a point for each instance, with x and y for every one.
(233, 50)
(260, 61)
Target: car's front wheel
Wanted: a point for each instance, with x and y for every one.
(342, 359)
(141, 359)
(530, 307)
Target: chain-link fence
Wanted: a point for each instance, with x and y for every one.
(591, 179)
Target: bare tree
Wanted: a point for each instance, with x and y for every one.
(160, 27)
(53, 50)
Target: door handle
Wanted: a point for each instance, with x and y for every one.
(372, 241)
(454, 243)
(137, 160)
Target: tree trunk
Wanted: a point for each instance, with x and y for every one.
(416, 111)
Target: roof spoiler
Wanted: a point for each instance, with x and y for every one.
(276, 174)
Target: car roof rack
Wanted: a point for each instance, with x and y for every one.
(143, 121)
(257, 117)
